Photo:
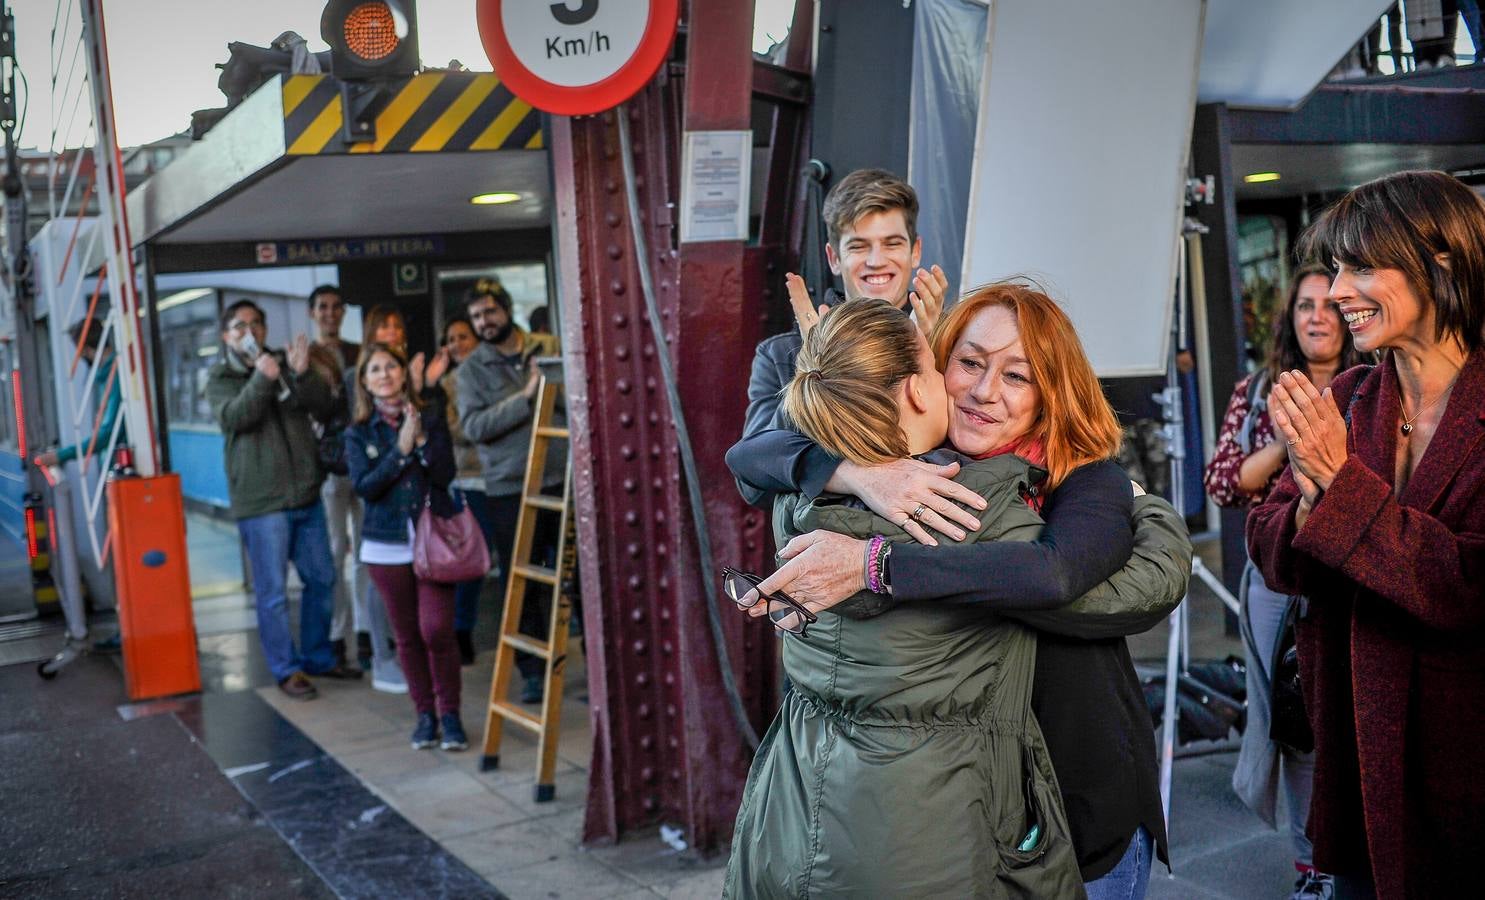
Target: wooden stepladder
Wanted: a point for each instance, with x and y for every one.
(553, 651)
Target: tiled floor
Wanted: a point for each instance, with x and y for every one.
(355, 843)
(99, 805)
(490, 820)
(215, 549)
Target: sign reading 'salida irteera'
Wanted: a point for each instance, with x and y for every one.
(576, 57)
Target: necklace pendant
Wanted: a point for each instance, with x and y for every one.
(1407, 428)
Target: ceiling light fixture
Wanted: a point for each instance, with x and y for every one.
(494, 198)
(1261, 177)
(180, 298)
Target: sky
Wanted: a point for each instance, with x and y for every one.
(162, 54)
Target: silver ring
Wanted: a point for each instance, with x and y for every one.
(1293, 442)
(918, 512)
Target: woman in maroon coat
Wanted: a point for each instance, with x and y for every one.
(1380, 521)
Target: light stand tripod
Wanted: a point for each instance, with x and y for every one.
(1178, 648)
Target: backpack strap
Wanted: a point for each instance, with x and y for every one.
(1258, 390)
(1257, 405)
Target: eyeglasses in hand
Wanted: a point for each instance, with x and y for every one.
(783, 611)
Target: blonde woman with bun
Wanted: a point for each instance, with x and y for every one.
(906, 760)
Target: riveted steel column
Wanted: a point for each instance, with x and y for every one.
(665, 748)
(716, 327)
(617, 495)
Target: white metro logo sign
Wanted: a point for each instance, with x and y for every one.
(576, 56)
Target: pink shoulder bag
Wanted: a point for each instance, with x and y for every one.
(449, 550)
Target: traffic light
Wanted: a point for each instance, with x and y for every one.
(371, 39)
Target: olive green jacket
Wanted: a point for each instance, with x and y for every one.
(269, 443)
(905, 762)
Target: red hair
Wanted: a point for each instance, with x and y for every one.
(1077, 425)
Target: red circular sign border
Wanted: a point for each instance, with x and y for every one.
(588, 99)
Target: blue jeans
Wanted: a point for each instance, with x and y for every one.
(1470, 9)
(272, 540)
(467, 594)
(1130, 877)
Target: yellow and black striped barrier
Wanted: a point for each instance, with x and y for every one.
(429, 113)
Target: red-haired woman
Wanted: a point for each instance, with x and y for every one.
(1018, 382)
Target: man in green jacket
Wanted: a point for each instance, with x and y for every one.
(263, 401)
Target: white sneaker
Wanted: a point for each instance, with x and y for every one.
(387, 677)
(1314, 885)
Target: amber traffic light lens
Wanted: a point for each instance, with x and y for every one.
(370, 31)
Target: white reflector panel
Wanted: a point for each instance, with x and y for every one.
(1085, 122)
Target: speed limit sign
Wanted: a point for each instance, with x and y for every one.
(575, 57)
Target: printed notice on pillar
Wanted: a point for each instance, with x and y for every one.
(714, 196)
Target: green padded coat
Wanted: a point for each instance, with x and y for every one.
(906, 762)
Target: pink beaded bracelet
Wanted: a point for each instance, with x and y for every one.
(873, 564)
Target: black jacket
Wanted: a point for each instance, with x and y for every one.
(395, 485)
(773, 368)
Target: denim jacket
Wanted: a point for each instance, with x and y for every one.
(395, 486)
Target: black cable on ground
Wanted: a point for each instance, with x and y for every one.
(683, 436)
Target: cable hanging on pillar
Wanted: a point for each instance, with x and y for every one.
(683, 435)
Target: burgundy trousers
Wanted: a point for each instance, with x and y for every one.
(422, 616)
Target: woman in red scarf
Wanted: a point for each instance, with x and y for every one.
(1017, 382)
(402, 459)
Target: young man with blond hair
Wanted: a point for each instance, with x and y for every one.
(872, 243)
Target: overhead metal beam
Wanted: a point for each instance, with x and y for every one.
(1373, 113)
(299, 117)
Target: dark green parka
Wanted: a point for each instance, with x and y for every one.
(269, 443)
(906, 762)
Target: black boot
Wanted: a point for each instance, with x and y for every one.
(338, 647)
(466, 647)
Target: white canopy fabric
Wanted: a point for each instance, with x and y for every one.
(1272, 53)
